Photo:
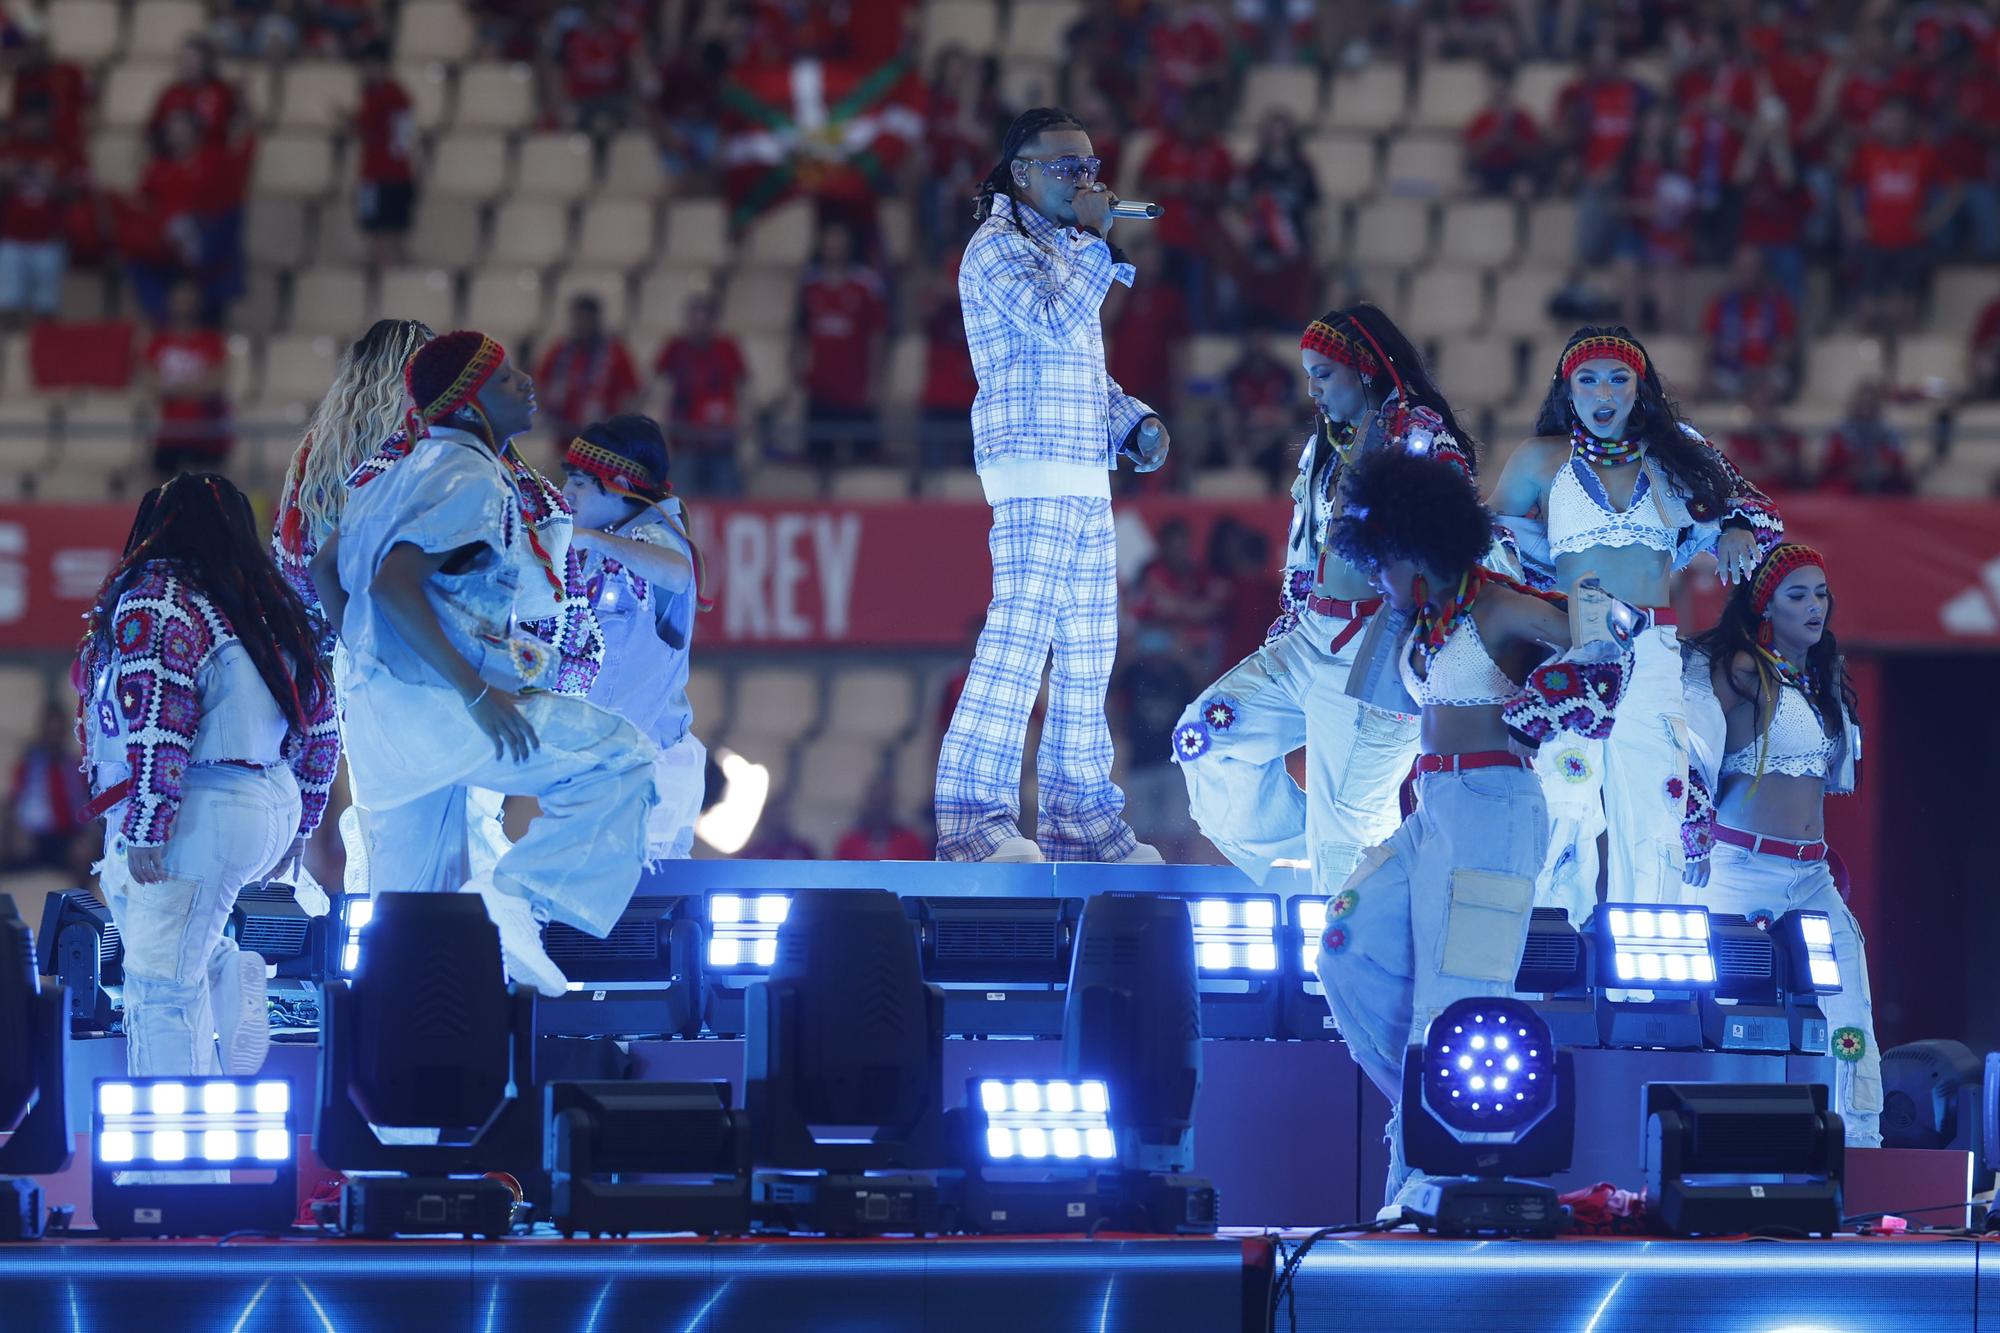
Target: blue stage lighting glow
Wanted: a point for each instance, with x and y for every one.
(1483, 1064)
(355, 914)
(217, 1122)
(743, 930)
(1310, 915)
(1235, 935)
(1052, 1120)
(1659, 947)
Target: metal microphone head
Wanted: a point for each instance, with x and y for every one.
(1137, 209)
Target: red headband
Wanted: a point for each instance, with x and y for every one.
(1604, 347)
(619, 474)
(1330, 342)
(1782, 560)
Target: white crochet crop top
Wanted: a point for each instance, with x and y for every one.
(1462, 675)
(1795, 744)
(1581, 515)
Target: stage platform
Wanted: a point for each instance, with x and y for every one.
(962, 879)
(1106, 1285)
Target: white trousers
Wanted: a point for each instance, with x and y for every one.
(1634, 784)
(1437, 913)
(1231, 745)
(234, 825)
(680, 774)
(1764, 887)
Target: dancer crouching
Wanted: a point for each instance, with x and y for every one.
(209, 730)
(642, 576)
(1782, 718)
(1440, 911)
(440, 558)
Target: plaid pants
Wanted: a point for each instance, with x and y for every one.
(1055, 587)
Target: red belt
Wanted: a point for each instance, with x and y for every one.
(1355, 613)
(1455, 763)
(1757, 842)
(1662, 615)
(94, 809)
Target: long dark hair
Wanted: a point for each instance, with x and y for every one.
(1405, 370)
(1406, 506)
(1027, 126)
(1694, 466)
(1735, 632)
(203, 525)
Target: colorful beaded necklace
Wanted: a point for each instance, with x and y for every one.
(1605, 453)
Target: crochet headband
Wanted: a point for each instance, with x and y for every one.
(1782, 560)
(618, 474)
(1604, 347)
(447, 373)
(1330, 342)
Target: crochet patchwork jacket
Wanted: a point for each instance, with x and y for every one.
(163, 632)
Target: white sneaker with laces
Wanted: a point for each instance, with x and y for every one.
(237, 988)
(1142, 854)
(1016, 850)
(520, 922)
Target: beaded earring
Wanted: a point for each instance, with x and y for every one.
(1764, 635)
(1421, 591)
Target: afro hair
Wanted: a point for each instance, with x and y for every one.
(1402, 506)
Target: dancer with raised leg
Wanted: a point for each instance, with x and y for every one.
(1615, 485)
(1769, 698)
(1440, 911)
(209, 734)
(440, 559)
(1048, 427)
(1373, 393)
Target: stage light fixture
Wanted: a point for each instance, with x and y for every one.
(1811, 969)
(1486, 1098)
(80, 945)
(34, 1078)
(356, 912)
(1747, 1010)
(598, 1132)
(1001, 962)
(742, 945)
(1932, 1095)
(1305, 1016)
(1034, 1152)
(1239, 962)
(1555, 973)
(1652, 961)
(1724, 1158)
(428, 1035)
(843, 1071)
(644, 979)
(157, 1143)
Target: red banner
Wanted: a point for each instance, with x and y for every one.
(1908, 573)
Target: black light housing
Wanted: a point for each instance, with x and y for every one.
(611, 1129)
(80, 945)
(644, 979)
(1305, 1015)
(1002, 962)
(1240, 965)
(1931, 1097)
(1033, 1152)
(158, 1142)
(1726, 1158)
(1746, 1011)
(1652, 961)
(1555, 969)
(1810, 969)
(34, 1076)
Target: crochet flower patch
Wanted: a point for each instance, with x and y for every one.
(1220, 714)
(1573, 766)
(1335, 940)
(1849, 1044)
(1343, 904)
(1191, 741)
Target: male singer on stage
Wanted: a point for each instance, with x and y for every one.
(1048, 427)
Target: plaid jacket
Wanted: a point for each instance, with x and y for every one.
(1031, 292)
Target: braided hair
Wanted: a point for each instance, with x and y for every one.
(1026, 128)
(202, 524)
(1404, 369)
(1655, 420)
(1404, 506)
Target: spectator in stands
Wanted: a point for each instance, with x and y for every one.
(1239, 557)
(1189, 46)
(1598, 118)
(256, 30)
(587, 375)
(775, 840)
(39, 179)
(1148, 328)
(1178, 594)
(842, 326)
(1149, 694)
(877, 834)
(1655, 241)
(59, 85)
(1503, 145)
(1982, 355)
(704, 375)
(43, 816)
(949, 384)
(1864, 454)
(1261, 398)
(185, 368)
(1711, 133)
(187, 217)
(599, 71)
(1897, 204)
(1765, 448)
(507, 28)
(1190, 171)
(1753, 333)
(1775, 204)
(198, 90)
(1275, 216)
(386, 126)
(961, 107)
(1967, 115)
(692, 66)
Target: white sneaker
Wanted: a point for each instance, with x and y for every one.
(241, 997)
(1142, 854)
(521, 949)
(1016, 850)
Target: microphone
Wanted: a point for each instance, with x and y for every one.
(1136, 209)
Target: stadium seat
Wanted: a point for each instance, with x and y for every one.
(833, 772)
(697, 232)
(319, 95)
(298, 367)
(83, 296)
(275, 231)
(530, 232)
(1931, 363)
(871, 703)
(768, 358)
(435, 30)
(608, 285)
(1678, 360)
(1480, 232)
(1521, 301)
(507, 303)
(261, 309)
(86, 31)
(1449, 94)
(972, 25)
(330, 300)
(1038, 30)
(1373, 97)
(953, 484)
(117, 157)
(294, 164)
(1424, 164)
(784, 701)
(1445, 300)
(257, 80)
(1391, 232)
(240, 374)
(618, 232)
(913, 765)
(429, 87)
(446, 232)
(871, 483)
(73, 486)
(905, 380)
(760, 300)
(130, 90)
(632, 168)
(664, 293)
(1837, 362)
(1552, 232)
(1343, 164)
(1291, 89)
(428, 294)
(1477, 372)
(784, 235)
(561, 166)
(494, 95)
(787, 481)
(1960, 477)
(1538, 85)
(708, 696)
(24, 434)
(1960, 294)
(470, 164)
(1232, 483)
(1029, 82)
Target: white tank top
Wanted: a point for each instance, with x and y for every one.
(1462, 675)
(1795, 744)
(1581, 515)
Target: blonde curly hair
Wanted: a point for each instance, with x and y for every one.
(363, 408)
